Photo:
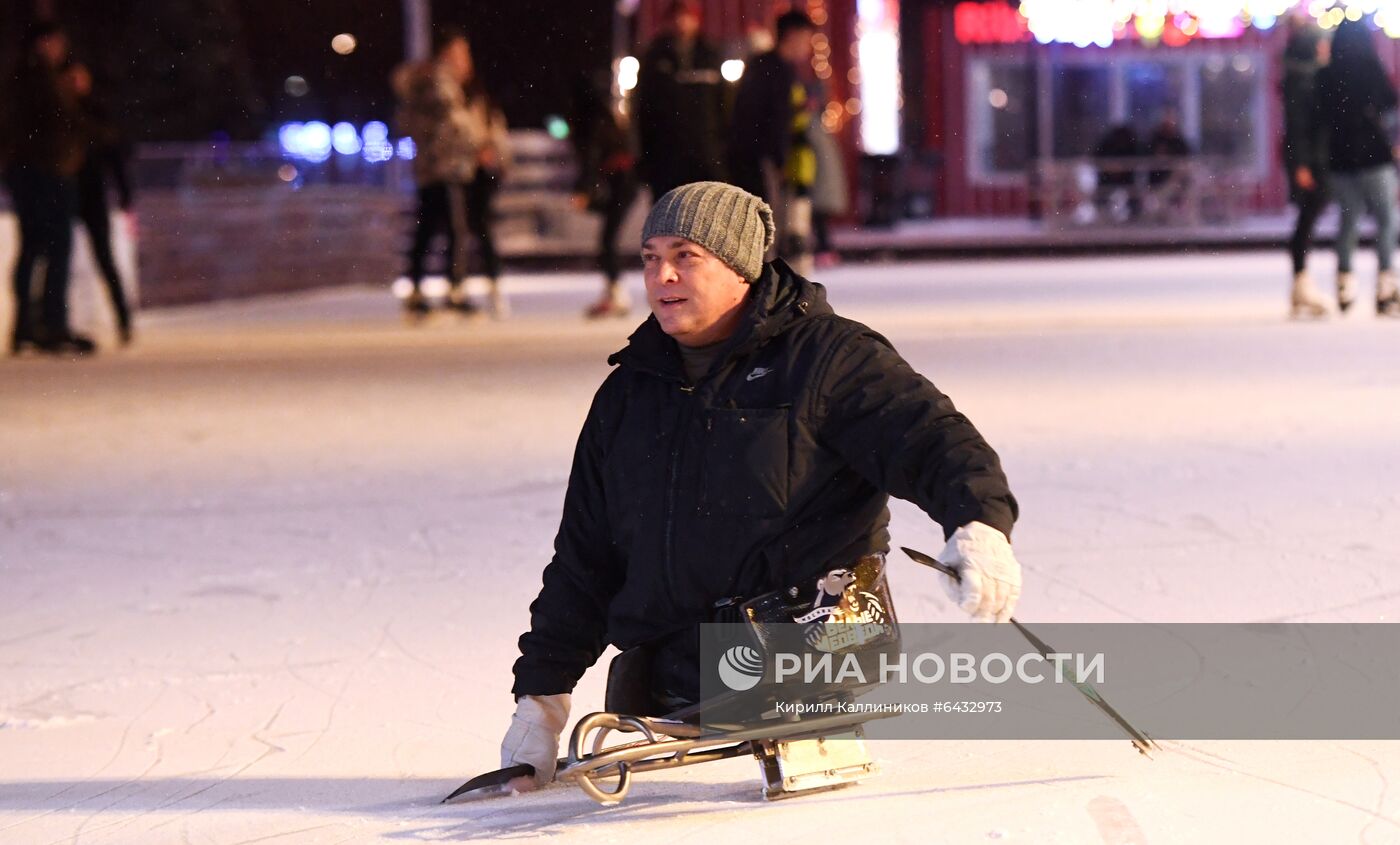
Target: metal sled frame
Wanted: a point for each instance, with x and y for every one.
(669, 744)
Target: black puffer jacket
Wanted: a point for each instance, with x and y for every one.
(773, 467)
(1356, 102)
(680, 113)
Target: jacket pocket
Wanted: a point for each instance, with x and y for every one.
(746, 462)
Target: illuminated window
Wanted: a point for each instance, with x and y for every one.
(1002, 111)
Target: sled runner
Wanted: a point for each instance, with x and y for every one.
(797, 754)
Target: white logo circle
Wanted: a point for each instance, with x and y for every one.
(740, 668)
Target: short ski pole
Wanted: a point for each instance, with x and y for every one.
(1141, 741)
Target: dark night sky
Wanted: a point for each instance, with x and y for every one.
(529, 52)
(183, 69)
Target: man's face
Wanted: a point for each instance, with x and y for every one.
(696, 298)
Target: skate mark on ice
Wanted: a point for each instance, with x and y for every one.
(1380, 797)
(121, 745)
(73, 805)
(233, 591)
(1202, 524)
(1209, 759)
(424, 661)
(180, 799)
(289, 833)
(1115, 822)
(1048, 575)
(339, 695)
(1302, 616)
(52, 629)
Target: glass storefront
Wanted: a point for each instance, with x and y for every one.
(1216, 100)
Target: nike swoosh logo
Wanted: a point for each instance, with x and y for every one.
(758, 372)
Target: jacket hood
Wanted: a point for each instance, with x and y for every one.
(780, 300)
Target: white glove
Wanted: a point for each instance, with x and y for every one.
(534, 734)
(991, 577)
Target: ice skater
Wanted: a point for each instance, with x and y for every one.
(766, 108)
(679, 103)
(747, 438)
(606, 185)
(1357, 106)
(462, 150)
(1304, 155)
(42, 149)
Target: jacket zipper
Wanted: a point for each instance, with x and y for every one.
(668, 564)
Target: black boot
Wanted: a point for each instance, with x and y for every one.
(19, 340)
(67, 343)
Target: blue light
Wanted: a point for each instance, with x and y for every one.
(1264, 21)
(375, 132)
(407, 149)
(315, 141)
(289, 139)
(345, 139)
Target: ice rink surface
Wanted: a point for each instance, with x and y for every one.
(264, 572)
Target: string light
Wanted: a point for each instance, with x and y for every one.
(1173, 22)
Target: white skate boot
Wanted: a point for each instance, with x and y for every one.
(1305, 300)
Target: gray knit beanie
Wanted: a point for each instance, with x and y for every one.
(730, 222)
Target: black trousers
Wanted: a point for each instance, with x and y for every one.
(456, 211)
(92, 210)
(1311, 204)
(44, 205)
(480, 192)
(619, 192)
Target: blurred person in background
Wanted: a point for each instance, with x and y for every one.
(768, 107)
(1117, 196)
(606, 184)
(679, 105)
(1304, 154)
(105, 157)
(1166, 141)
(830, 197)
(799, 175)
(462, 150)
(42, 149)
(1168, 180)
(760, 133)
(1356, 104)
